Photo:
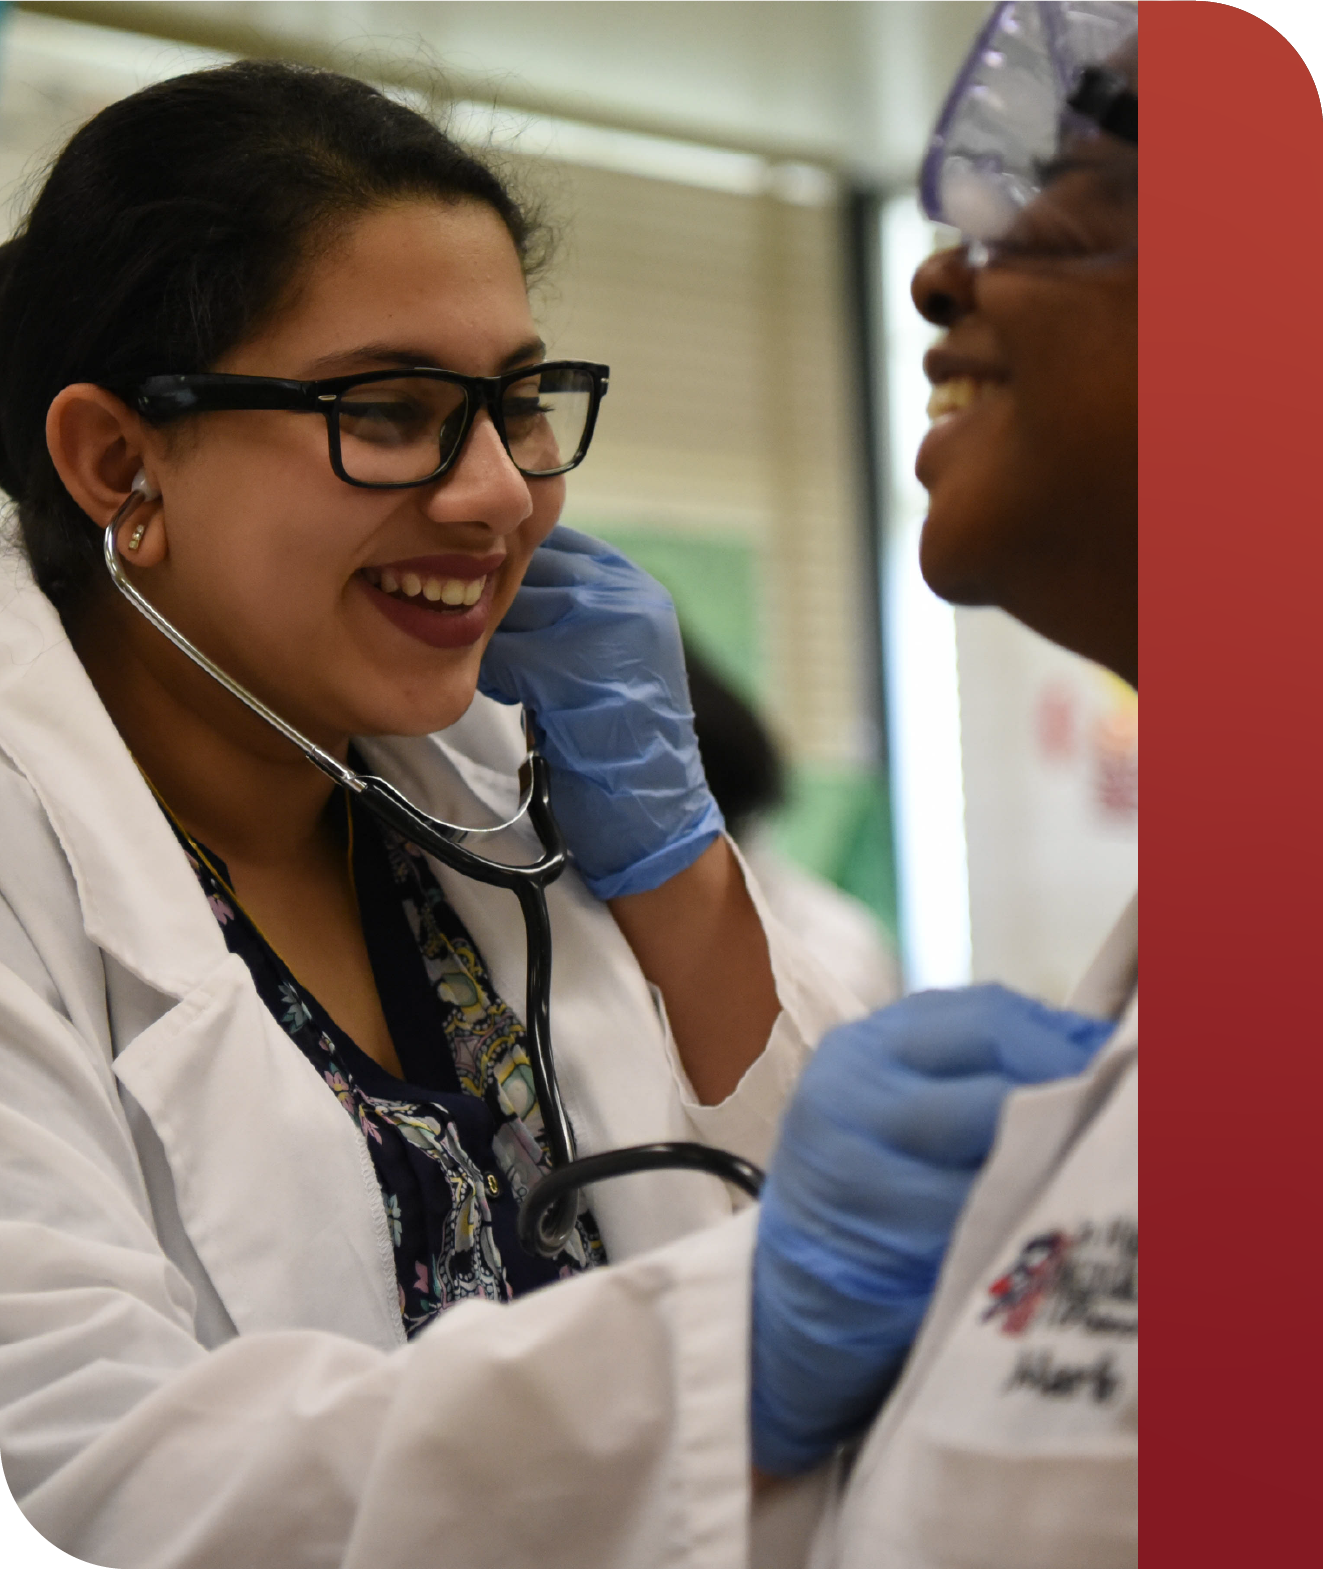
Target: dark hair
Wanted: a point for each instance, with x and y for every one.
(743, 767)
(170, 226)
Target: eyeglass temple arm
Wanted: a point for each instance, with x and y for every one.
(167, 397)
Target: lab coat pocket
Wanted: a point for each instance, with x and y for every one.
(272, 1179)
(972, 1508)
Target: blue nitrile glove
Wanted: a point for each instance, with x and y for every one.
(888, 1128)
(591, 648)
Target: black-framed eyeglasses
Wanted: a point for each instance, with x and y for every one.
(393, 430)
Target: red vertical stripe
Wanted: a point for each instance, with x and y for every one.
(1231, 520)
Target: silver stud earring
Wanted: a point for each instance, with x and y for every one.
(135, 539)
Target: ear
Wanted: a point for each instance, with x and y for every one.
(97, 444)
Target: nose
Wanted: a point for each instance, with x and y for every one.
(483, 486)
(943, 287)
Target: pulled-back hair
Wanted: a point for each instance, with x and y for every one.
(170, 227)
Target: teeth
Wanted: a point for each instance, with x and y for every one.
(450, 591)
(950, 396)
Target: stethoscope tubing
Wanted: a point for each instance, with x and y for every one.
(548, 1214)
(538, 1207)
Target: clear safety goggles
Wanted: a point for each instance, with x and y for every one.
(1036, 80)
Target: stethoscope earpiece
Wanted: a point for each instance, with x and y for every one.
(140, 490)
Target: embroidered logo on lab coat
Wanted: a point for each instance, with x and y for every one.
(1086, 1279)
(1083, 1284)
(1018, 1295)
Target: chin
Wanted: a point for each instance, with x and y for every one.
(432, 712)
(949, 567)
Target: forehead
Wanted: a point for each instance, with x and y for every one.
(440, 281)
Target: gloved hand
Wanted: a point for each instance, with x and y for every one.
(887, 1130)
(591, 648)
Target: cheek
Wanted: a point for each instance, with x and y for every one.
(548, 497)
(1078, 385)
(273, 543)
(974, 501)
(548, 503)
(1052, 459)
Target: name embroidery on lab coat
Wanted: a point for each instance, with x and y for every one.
(1084, 1281)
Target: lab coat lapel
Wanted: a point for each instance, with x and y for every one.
(245, 1123)
(60, 737)
(1111, 979)
(242, 1116)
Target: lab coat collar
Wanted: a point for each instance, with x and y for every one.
(1112, 978)
(1110, 990)
(56, 731)
(479, 779)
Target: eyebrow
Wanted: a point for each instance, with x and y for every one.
(527, 353)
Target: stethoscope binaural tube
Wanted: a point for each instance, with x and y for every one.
(550, 1210)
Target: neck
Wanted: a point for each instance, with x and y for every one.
(230, 779)
(1091, 609)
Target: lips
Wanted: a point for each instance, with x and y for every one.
(942, 364)
(959, 381)
(443, 601)
(961, 384)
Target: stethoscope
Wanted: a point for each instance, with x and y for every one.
(549, 1212)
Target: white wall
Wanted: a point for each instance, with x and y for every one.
(1014, 764)
(1051, 773)
(855, 83)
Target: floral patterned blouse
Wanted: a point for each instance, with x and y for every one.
(458, 1141)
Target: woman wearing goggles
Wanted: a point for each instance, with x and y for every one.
(1009, 1438)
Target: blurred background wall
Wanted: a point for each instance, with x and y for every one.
(732, 183)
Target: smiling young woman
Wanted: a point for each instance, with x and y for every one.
(1031, 463)
(296, 317)
(267, 557)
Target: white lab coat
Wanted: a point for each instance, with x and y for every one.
(1012, 1444)
(201, 1355)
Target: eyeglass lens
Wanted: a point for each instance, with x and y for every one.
(402, 429)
